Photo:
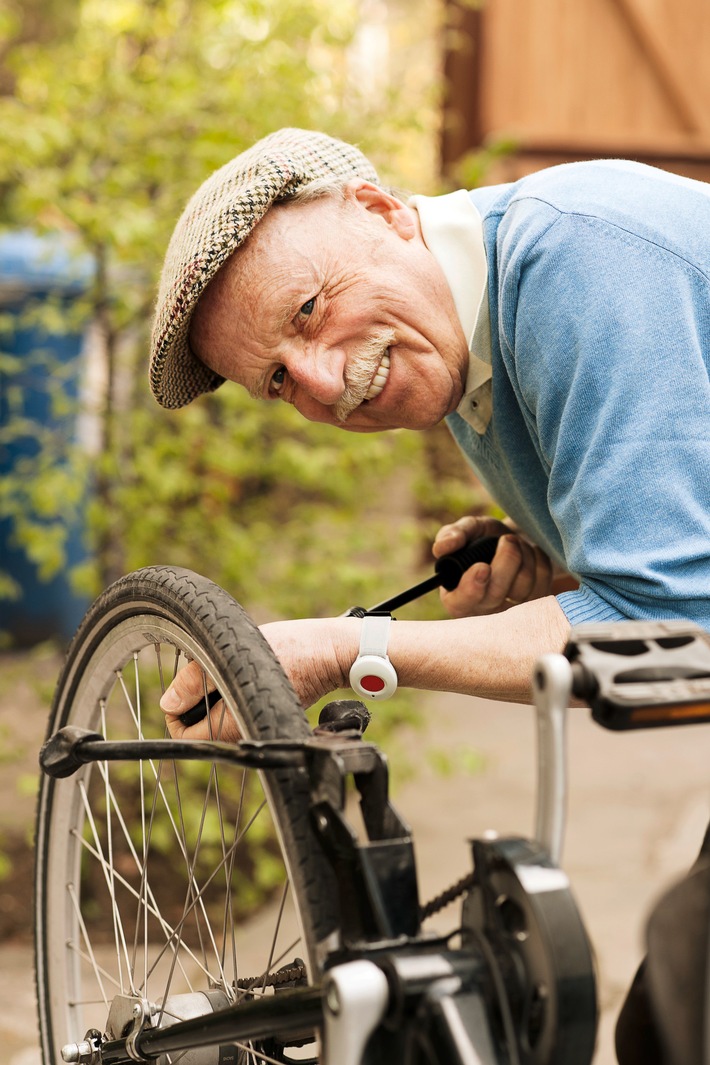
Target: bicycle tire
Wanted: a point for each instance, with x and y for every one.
(81, 839)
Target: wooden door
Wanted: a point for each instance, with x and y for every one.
(572, 79)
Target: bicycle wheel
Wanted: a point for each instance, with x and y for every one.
(183, 883)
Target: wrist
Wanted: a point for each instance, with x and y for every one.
(346, 642)
(372, 675)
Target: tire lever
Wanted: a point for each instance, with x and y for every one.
(449, 570)
(199, 710)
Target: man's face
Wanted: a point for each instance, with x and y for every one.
(339, 308)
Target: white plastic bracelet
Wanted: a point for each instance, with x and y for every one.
(372, 675)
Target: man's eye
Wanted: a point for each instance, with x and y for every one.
(277, 380)
(308, 307)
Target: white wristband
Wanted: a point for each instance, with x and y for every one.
(372, 675)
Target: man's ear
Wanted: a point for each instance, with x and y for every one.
(379, 201)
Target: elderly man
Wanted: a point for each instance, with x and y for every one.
(560, 325)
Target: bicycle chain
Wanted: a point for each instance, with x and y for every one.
(298, 972)
(442, 900)
(283, 976)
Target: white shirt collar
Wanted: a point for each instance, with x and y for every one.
(452, 230)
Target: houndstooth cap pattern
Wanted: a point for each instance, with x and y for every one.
(217, 220)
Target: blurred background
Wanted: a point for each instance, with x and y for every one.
(112, 112)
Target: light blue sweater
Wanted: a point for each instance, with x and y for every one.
(599, 442)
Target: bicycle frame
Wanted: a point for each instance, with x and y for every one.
(520, 987)
(418, 995)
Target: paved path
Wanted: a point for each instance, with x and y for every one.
(639, 805)
(638, 809)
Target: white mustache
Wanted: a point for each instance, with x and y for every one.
(360, 370)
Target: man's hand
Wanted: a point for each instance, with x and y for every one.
(186, 690)
(519, 572)
(316, 655)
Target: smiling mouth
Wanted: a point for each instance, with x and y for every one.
(380, 379)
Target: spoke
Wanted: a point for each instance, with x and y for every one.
(228, 921)
(196, 891)
(109, 838)
(100, 971)
(141, 909)
(135, 712)
(176, 1060)
(145, 889)
(190, 868)
(258, 1055)
(89, 956)
(159, 663)
(207, 882)
(168, 931)
(118, 926)
(129, 704)
(284, 893)
(228, 907)
(191, 888)
(150, 896)
(184, 850)
(218, 799)
(190, 871)
(219, 954)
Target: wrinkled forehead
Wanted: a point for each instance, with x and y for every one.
(273, 249)
(280, 249)
(291, 228)
(254, 294)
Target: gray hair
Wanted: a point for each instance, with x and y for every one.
(335, 187)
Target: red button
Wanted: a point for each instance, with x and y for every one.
(372, 684)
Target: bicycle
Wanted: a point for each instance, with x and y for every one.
(128, 970)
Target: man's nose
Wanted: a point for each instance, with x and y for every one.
(320, 375)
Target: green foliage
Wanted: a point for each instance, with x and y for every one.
(448, 763)
(5, 863)
(472, 168)
(108, 131)
(109, 125)
(444, 488)
(9, 750)
(266, 505)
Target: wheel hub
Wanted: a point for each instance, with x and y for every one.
(129, 1015)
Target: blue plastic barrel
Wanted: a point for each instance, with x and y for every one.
(36, 269)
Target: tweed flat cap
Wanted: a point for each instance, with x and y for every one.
(217, 220)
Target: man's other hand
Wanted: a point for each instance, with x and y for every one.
(520, 571)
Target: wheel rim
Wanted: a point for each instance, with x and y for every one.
(152, 870)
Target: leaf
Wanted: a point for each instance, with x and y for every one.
(113, 124)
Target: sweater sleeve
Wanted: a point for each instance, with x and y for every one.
(606, 341)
